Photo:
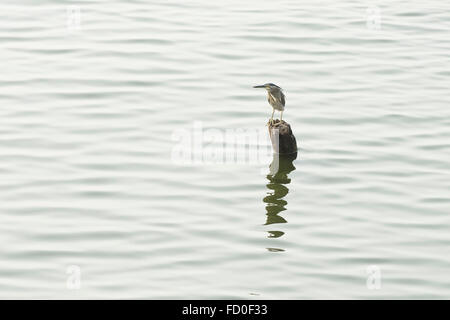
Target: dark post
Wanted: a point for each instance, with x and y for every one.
(283, 140)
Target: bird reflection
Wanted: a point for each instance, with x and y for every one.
(278, 178)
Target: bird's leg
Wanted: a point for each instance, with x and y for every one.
(271, 119)
(281, 116)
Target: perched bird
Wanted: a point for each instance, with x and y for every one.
(275, 96)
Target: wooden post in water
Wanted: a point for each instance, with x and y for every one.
(283, 140)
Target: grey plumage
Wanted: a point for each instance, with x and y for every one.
(275, 96)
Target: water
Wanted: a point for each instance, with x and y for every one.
(89, 106)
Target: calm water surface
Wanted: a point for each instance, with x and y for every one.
(87, 117)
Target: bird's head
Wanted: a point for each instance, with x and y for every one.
(268, 86)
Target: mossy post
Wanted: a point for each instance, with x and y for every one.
(283, 140)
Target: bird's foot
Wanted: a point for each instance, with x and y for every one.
(274, 122)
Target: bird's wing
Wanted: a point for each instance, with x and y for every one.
(271, 98)
(282, 98)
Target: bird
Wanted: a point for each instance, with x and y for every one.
(276, 98)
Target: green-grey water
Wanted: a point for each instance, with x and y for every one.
(92, 95)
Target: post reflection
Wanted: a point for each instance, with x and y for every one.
(278, 178)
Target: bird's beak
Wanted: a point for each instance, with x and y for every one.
(262, 86)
